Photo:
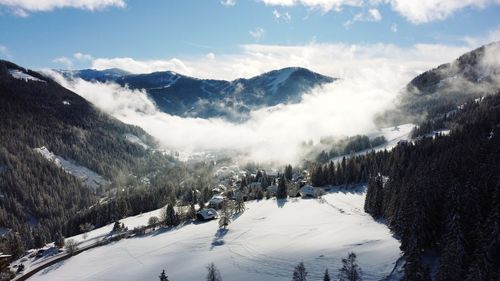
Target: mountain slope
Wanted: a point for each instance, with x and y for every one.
(41, 122)
(186, 96)
(441, 197)
(442, 89)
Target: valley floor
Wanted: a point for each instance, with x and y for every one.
(264, 243)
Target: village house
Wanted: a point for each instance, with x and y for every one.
(206, 214)
(308, 191)
(216, 201)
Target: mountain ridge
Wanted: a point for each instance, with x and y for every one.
(233, 100)
(441, 89)
(52, 141)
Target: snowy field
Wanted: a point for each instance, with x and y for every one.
(87, 176)
(264, 243)
(393, 135)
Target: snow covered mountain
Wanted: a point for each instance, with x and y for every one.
(187, 96)
(442, 89)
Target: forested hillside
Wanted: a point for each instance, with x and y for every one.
(442, 194)
(38, 198)
(439, 194)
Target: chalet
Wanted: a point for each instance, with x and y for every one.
(308, 191)
(254, 185)
(219, 189)
(206, 214)
(216, 202)
(237, 194)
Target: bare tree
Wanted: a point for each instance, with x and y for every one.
(213, 273)
(300, 272)
(71, 246)
(350, 270)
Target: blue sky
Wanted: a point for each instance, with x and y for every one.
(51, 35)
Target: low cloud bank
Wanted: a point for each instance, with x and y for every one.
(371, 77)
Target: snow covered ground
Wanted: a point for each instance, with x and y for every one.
(18, 74)
(101, 232)
(393, 135)
(87, 176)
(264, 243)
(136, 140)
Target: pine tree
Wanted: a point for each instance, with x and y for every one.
(414, 270)
(117, 227)
(243, 182)
(317, 176)
(258, 176)
(453, 259)
(281, 192)
(15, 245)
(163, 276)
(288, 172)
(59, 240)
(264, 182)
(326, 277)
(300, 272)
(213, 273)
(374, 197)
(350, 270)
(170, 216)
(331, 173)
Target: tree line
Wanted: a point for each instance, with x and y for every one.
(350, 271)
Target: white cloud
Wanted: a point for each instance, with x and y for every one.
(4, 51)
(23, 7)
(258, 33)
(424, 11)
(491, 36)
(394, 27)
(211, 56)
(373, 15)
(146, 66)
(269, 136)
(228, 2)
(421, 11)
(83, 57)
(282, 17)
(371, 75)
(64, 62)
(20, 13)
(325, 5)
(69, 62)
(335, 59)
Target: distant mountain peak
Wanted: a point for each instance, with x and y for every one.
(182, 95)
